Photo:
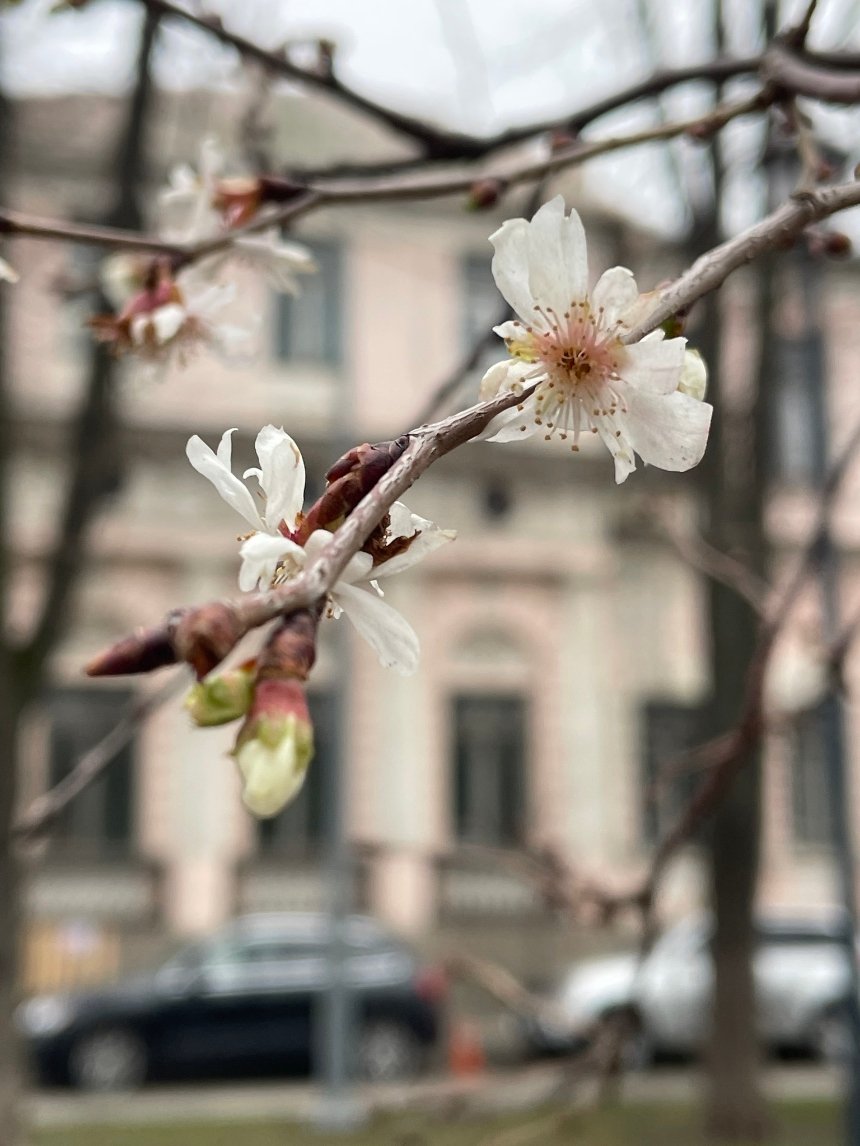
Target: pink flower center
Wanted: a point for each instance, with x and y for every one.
(579, 357)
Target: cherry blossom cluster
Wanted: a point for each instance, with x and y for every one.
(274, 745)
(161, 312)
(572, 358)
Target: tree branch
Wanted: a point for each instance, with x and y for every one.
(47, 808)
(778, 229)
(94, 440)
(115, 238)
(401, 187)
(429, 443)
(799, 76)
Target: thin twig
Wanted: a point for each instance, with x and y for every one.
(429, 443)
(436, 142)
(47, 808)
(115, 238)
(402, 187)
(780, 228)
(725, 754)
(717, 565)
(798, 76)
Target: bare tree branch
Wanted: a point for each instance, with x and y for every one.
(401, 187)
(796, 75)
(778, 229)
(114, 238)
(429, 443)
(47, 808)
(719, 566)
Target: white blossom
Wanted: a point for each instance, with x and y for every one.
(279, 260)
(272, 555)
(570, 344)
(190, 319)
(187, 203)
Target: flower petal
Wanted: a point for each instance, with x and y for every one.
(231, 489)
(654, 365)
(615, 292)
(261, 554)
(429, 537)
(358, 566)
(8, 274)
(224, 453)
(402, 522)
(558, 257)
(506, 377)
(281, 476)
(281, 262)
(207, 300)
(167, 321)
(389, 634)
(666, 430)
(511, 266)
(618, 445)
(509, 330)
(514, 425)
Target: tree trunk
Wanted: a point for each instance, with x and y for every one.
(736, 1108)
(12, 1133)
(22, 668)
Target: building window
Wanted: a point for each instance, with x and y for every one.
(98, 823)
(489, 736)
(309, 326)
(481, 310)
(798, 447)
(297, 830)
(668, 730)
(810, 810)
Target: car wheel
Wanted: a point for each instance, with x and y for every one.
(106, 1060)
(830, 1037)
(388, 1052)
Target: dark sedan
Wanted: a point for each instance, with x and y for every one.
(241, 1003)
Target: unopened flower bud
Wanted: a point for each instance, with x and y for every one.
(222, 698)
(823, 243)
(274, 747)
(238, 200)
(205, 635)
(837, 244)
(694, 375)
(144, 651)
(484, 193)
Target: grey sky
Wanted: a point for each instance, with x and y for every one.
(476, 64)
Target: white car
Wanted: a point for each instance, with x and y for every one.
(801, 974)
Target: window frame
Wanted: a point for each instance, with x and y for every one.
(510, 791)
(325, 287)
(118, 781)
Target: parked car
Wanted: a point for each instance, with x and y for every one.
(802, 979)
(242, 1002)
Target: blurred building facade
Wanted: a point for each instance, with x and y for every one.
(564, 650)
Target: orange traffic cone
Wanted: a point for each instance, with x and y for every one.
(466, 1057)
